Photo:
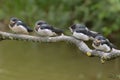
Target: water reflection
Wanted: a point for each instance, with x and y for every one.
(50, 61)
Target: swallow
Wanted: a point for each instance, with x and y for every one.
(17, 26)
(81, 32)
(102, 44)
(43, 29)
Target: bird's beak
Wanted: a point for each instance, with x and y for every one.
(97, 41)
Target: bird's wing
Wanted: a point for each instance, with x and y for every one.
(106, 41)
(24, 25)
(93, 33)
(84, 31)
(46, 26)
(53, 29)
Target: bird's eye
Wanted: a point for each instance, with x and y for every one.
(39, 23)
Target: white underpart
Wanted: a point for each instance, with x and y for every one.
(45, 32)
(81, 36)
(19, 29)
(103, 47)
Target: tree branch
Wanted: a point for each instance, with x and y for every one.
(80, 44)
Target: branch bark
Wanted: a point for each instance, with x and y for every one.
(80, 44)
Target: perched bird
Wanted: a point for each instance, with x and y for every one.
(102, 44)
(82, 32)
(42, 28)
(18, 26)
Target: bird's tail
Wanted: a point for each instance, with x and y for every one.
(58, 31)
(113, 46)
(30, 30)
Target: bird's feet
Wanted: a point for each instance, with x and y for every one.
(102, 61)
(89, 54)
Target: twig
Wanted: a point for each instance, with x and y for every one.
(80, 44)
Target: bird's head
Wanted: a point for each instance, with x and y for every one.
(97, 42)
(39, 23)
(99, 39)
(77, 26)
(14, 20)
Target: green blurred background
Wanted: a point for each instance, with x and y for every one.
(99, 15)
(47, 61)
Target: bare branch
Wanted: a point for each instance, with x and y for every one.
(80, 44)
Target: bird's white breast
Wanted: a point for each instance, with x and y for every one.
(19, 29)
(103, 47)
(81, 36)
(45, 32)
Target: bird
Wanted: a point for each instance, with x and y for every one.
(42, 28)
(102, 44)
(81, 32)
(17, 26)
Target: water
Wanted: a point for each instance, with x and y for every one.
(21, 60)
